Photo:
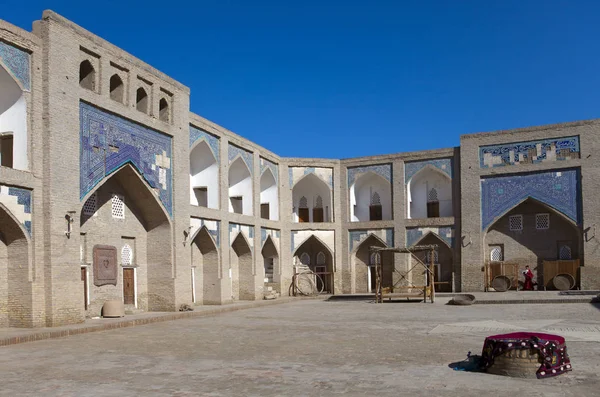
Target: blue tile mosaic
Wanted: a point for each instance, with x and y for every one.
(410, 169)
(560, 189)
(108, 142)
(264, 232)
(247, 231)
(384, 170)
(266, 164)
(446, 233)
(235, 151)
(539, 151)
(357, 236)
(23, 199)
(17, 62)
(213, 142)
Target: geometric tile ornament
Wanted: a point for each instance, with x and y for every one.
(558, 189)
(541, 151)
(18, 202)
(297, 173)
(247, 231)
(213, 141)
(384, 170)
(108, 142)
(266, 164)
(235, 151)
(445, 233)
(410, 169)
(356, 237)
(275, 235)
(17, 63)
(213, 227)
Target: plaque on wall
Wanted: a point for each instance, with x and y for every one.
(105, 265)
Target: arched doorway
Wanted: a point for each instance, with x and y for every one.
(15, 287)
(429, 194)
(205, 268)
(204, 176)
(319, 258)
(530, 233)
(271, 264)
(370, 198)
(364, 263)
(269, 201)
(241, 269)
(442, 259)
(123, 210)
(311, 200)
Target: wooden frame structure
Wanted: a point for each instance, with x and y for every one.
(426, 291)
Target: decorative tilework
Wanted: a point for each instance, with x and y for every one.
(266, 164)
(17, 62)
(235, 151)
(108, 142)
(248, 231)
(410, 169)
(213, 141)
(274, 234)
(356, 237)
(213, 227)
(545, 150)
(384, 170)
(415, 234)
(18, 202)
(558, 189)
(297, 173)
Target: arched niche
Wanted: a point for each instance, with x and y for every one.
(429, 194)
(205, 267)
(312, 248)
(271, 263)
(536, 232)
(204, 176)
(242, 275)
(127, 211)
(240, 188)
(364, 265)
(269, 196)
(318, 200)
(15, 287)
(443, 260)
(13, 122)
(370, 198)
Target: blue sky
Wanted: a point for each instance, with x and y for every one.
(338, 79)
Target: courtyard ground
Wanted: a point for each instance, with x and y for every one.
(306, 348)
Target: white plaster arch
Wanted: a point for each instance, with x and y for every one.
(361, 192)
(13, 118)
(204, 174)
(240, 185)
(417, 190)
(269, 194)
(311, 186)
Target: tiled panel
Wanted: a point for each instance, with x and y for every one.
(275, 236)
(541, 151)
(411, 168)
(247, 231)
(325, 174)
(235, 151)
(414, 234)
(18, 202)
(384, 170)
(212, 226)
(358, 236)
(109, 141)
(558, 189)
(17, 62)
(266, 164)
(213, 141)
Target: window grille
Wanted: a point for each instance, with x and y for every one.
(565, 253)
(303, 202)
(432, 195)
(435, 257)
(90, 206)
(319, 202)
(320, 258)
(496, 254)
(305, 259)
(375, 199)
(126, 255)
(542, 221)
(118, 206)
(375, 259)
(515, 223)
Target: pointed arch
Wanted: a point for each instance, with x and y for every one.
(321, 258)
(429, 194)
(363, 268)
(311, 247)
(379, 240)
(425, 237)
(13, 122)
(205, 255)
(270, 255)
(311, 186)
(305, 259)
(269, 196)
(368, 191)
(444, 265)
(87, 75)
(241, 262)
(117, 88)
(204, 175)
(141, 100)
(164, 111)
(270, 239)
(303, 203)
(240, 187)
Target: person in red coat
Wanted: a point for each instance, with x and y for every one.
(528, 286)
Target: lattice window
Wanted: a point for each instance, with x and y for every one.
(303, 202)
(432, 195)
(435, 257)
(542, 221)
(375, 199)
(565, 253)
(496, 254)
(320, 258)
(118, 206)
(319, 202)
(305, 259)
(375, 259)
(515, 223)
(126, 255)
(91, 205)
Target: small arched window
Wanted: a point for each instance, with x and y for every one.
(433, 205)
(303, 202)
(319, 202)
(435, 257)
(565, 253)
(496, 254)
(163, 110)
(117, 89)
(432, 195)
(87, 75)
(141, 100)
(305, 259)
(375, 199)
(374, 259)
(126, 255)
(321, 258)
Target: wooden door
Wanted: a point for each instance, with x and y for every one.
(375, 213)
(433, 209)
(264, 211)
(84, 279)
(317, 214)
(303, 215)
(128, 286)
